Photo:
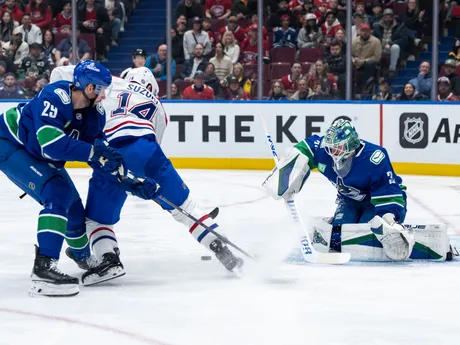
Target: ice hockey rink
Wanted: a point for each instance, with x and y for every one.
(169, 296)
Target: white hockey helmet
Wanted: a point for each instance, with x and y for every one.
(144, 77)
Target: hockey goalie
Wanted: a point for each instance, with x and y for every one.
(371, 199)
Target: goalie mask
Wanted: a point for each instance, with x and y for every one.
(340, 142)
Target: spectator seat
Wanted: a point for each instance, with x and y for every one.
(310, 54)
(217, 24)
(89, 38)
(270, 39)
(244, 22)
(178, 69)
(162, 87)
(266, 88)
(189, 24)
(250, 71)
(283, 55)
(456, 11)
(305, 67)
(279, 69)
(399, 8)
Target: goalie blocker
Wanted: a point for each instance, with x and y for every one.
(360, 240)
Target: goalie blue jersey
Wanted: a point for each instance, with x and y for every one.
(50, 129)
(371, 176)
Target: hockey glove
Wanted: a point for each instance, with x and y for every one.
(397, 241)
(105, 157)
(146, 189)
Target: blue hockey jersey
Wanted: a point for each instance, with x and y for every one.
(50, 129)
(371, 177)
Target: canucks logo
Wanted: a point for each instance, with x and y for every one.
(349, 192)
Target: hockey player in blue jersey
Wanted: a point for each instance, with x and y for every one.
(368, 189)
(64, 122)
(136, 121)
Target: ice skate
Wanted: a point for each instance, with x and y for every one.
(110, 268)
(48, 280)
(226, 257)
(83, 264)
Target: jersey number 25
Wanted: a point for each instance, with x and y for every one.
(144, 110)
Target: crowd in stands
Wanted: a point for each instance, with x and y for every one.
(35, 38)
(215, 50)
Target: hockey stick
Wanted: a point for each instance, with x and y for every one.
(129, 175)
(309, 253)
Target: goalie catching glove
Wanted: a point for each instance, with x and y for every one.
(289, 176)
(397, 241)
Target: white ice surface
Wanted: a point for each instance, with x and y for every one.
(170, 296)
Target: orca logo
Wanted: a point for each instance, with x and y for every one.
(413, 130)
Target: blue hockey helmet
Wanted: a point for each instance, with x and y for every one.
(91, 72)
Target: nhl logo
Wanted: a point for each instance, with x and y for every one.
(413, 130)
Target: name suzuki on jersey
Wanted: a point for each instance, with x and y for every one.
(140, 90)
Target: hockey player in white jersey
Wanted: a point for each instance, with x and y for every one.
(135, 125)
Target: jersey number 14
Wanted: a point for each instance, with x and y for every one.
(144, 110)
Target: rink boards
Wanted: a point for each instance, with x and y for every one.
(421, 138)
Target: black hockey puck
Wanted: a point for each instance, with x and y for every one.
(206, 258)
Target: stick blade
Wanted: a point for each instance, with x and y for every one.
(333, 258)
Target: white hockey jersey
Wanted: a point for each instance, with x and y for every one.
(131, 110)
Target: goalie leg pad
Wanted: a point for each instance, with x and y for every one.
(289, 176)
(431, 241)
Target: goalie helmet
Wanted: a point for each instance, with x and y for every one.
(340, 142)
(144, 77)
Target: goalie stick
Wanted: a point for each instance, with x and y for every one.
(309, 253)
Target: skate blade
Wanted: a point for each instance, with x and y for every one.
(112, 273)
(238, 272)
(46, 289)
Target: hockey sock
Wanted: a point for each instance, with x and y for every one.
(102, 238)
(79, 244)
(202, 235)
(52, 227)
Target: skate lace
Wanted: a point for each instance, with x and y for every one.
(92, 261)
(54, 266)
